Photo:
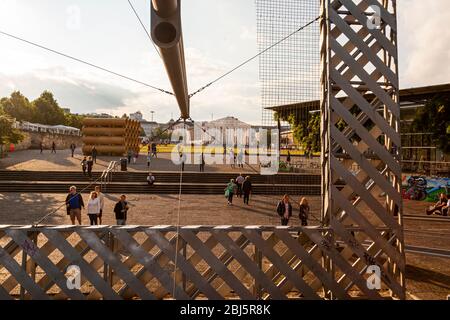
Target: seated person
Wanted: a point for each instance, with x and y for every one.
(439, 206)
(151, 179)
(446, 209)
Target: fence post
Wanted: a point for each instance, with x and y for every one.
(257, 258)
(183, 275)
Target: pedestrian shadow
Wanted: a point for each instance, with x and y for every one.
(428, 276)
(35, 205)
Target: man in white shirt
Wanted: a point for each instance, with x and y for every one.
(101, 197)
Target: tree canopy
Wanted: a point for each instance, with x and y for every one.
(8, 134)
(44, 110)
(306, 132)
(434, 118)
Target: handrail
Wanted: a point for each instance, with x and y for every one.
(107, 174)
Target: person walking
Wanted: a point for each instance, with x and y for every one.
(53, 147)
(154, 150)
(288, 158)
(94, 154)
(284, 210)
(202, 163)
(90, 164)
(151, 179)
(93, 208)
(101, 197)
(121, 210)
(247, 189)
(231, 158)
(74, 205)
(182, 160)
(239, 181)
(41, 146)
(304, 212)
(240, 159)
(84, 165)
(229, 191)
(129, 155)
(72, 148)
(149, 159)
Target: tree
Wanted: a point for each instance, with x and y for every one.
(306, 132)
(74, 120)
(48, 110)
(17, 106)
(8, 134)
(434, 118)
(160, 134)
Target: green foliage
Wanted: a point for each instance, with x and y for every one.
(159, 133)
(48, 110)
(434, 118)
(306, 132)
(8, 134)
(17, 106)
(43, 110)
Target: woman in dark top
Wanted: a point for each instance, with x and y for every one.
(304, 212)
(284, 210)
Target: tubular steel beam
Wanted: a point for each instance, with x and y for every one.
(168, 37)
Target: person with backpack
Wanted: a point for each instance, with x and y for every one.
(229, 191)
(284, 210)
(74, 205)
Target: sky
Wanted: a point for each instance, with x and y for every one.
(218, 34)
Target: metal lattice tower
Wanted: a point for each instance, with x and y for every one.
(290, 72)
(360, 127)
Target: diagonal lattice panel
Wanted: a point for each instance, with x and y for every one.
(360, 105)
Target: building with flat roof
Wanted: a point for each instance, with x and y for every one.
(419, 154)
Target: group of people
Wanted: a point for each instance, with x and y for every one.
(95, 206)
(284, 210)
(53, 150)
(441, 208)
(86, 165)
(241, 187)
(234, 159)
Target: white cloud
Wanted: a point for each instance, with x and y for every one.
(424, 38)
